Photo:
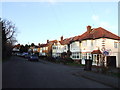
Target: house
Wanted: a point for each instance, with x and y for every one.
(61, 46)
(43, 50)
(16, 48)
(95, 44)
(46, 49)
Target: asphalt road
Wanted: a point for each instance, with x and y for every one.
(20, 73)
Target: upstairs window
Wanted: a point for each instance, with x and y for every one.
(84, 43)
(54, 47)
(65, 47)
(115, 44)
(91, 42)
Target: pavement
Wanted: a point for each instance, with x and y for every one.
(109, 80)
(101, 78)
(105, 79)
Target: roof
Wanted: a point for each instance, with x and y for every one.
(94, 33)
(96, 52)
(51, 42)
(98, 33)
(17, 46)
(48, 44)
(76, 38)
(43, 45)
(66, 41)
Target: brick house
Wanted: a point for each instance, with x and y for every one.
(46, 49)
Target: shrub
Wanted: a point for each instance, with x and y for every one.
(42, 57)
(49, 58)
(67, 60)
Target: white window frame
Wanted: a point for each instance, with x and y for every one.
(84, 43)
(115, 44)
(92, 43)
(76, 55)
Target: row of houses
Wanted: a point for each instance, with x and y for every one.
(95, 44)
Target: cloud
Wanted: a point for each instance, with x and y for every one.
(95, 18)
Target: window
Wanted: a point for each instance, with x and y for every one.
(54, 47)
(91, 42)
(46, 48)
(95, 43)
(76, 55)
(84, 56)
(115, 45)
(89, 56)
(65, 48)
(94, 58)
(84, 43)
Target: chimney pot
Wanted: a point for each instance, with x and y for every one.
(61, 38)
(47, 41)
(89, 28)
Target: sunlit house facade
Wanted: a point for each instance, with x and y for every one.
(95, 44)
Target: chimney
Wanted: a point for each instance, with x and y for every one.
(89, 28)
(47, 41)
(61, 38)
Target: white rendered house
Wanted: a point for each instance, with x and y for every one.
(59, 47)
(93, 44)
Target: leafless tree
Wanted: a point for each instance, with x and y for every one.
(8, 30)
(8, 36)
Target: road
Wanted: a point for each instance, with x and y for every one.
(20, 73)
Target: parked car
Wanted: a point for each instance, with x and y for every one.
(27, 56)
(23, 54)
(19, 54)
(33, 58)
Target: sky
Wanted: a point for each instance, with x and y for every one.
(38, 22)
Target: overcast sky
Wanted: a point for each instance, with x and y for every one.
(39, 21)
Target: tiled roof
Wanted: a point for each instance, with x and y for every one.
(76, 38)
(98, 33)
(51, 42)
(95, 33)
(66, 41)
(96, 52)
(43, 45)
(16, 46)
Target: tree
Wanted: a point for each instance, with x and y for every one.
(39, 44)
(26, 48)
(8, 31)
(8, 39)
(22, 48)
(32, 44)
(63, 55)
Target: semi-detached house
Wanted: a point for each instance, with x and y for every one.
(46, 49)
(61, 46)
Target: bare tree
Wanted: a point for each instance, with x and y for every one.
(8, 39)
(8, 29)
